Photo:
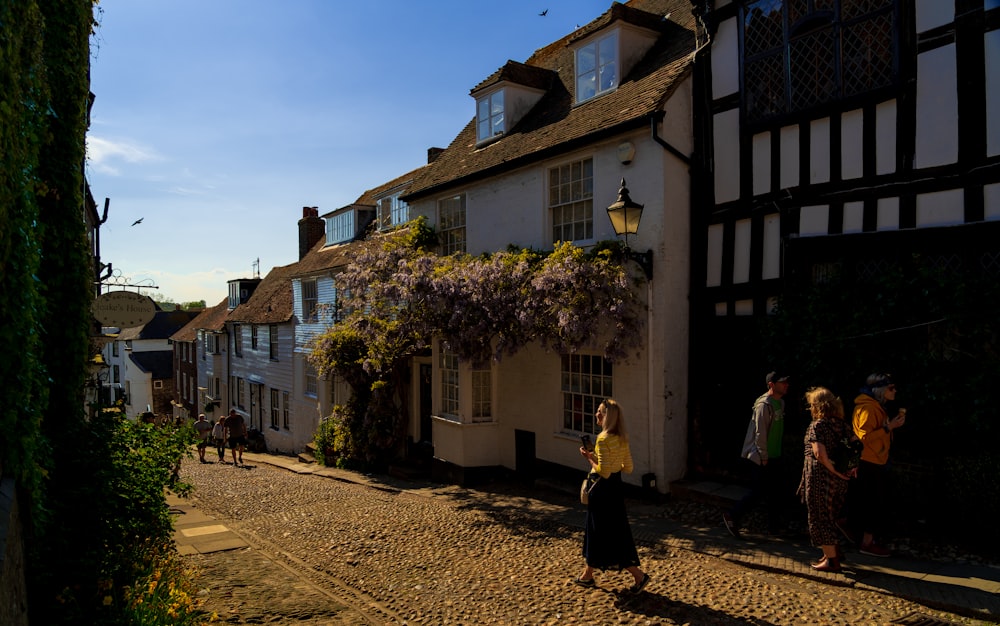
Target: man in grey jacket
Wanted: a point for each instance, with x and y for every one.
(762, 452)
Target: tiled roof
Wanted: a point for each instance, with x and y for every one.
(163, 325)
(514, 72)
(213, 318)
(369, 197)
(271, 302)
(555, 124)
(323, 258)
(157, 363)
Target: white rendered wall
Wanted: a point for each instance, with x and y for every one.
(991, 45)
(819, 151)
(942, 208)
(885, 137)
(761, 163)
(851, 144)
(991, 201)
(933, 13)
(727, 155)
(937, 108)
(725, 60)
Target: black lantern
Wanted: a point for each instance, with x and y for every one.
(625, 214)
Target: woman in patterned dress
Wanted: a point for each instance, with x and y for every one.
(823, 488)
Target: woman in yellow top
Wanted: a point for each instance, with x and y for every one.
(607, 538)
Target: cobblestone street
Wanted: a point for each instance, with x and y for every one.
(326, 551)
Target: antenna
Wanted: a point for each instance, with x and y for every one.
(256, 268)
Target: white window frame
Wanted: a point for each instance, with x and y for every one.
(465, 393)
(571, 201)
(392, 212)
(285, 423)
(253, 336)
(310, 299)
(310, 381)
(340, 227)
(449, 376)
(451, 224)
(490, 119)
(597, 67)
(481, 385)
(586, 380)
(272, 342)
(275, 407)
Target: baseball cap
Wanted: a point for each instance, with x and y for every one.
(778, 376)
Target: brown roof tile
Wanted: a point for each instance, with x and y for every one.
(323, 258)
(555, 124)
(271, 302)
(213, 318)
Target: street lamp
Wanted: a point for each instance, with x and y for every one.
(625, 214)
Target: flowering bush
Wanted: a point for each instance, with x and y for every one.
(401, 295)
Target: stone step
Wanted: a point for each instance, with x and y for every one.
(707, 492)
(306, 457)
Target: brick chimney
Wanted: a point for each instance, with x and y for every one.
(312, 228)
(433, 154)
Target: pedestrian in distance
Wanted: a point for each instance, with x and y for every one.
(871, 422)
(761, 454)
(219, 438)
(236, 433)
(607, 537)
(203, 428)
(823, 488)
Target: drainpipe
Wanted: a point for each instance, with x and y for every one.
(654, 119)
(653, 122)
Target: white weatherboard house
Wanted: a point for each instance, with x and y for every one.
(542, 158)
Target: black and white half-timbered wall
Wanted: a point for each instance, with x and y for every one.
(830, 133)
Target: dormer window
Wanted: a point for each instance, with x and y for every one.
(340, 228)
(489, 116)
(597, 67)
(392, 212)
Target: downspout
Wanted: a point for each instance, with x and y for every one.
(653, 122)
(654, 134)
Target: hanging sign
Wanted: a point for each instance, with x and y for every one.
(123, 309)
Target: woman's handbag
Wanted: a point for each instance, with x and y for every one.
(587, 486)
(847, 454)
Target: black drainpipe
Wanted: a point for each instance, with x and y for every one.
(653, 121)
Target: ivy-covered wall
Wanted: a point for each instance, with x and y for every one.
(45, 266)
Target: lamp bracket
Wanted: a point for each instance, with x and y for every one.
(643, 259)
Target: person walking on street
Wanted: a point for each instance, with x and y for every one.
(874, 428)
(761, 454)
(824, 485)
(204, 429)
(236, 432)
(219, 438)
(607, 537)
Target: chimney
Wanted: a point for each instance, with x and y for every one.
(433, 154)
(312, 228)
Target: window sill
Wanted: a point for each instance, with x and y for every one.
(455, 421)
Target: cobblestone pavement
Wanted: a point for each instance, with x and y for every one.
(325, 551)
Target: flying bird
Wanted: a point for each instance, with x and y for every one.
(543, 13)
(138, 221)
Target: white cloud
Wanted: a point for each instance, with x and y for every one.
(208, 285)
(104, 153)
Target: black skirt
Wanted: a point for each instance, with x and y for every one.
(607, 537)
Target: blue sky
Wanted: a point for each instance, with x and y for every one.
(216, 121)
